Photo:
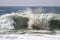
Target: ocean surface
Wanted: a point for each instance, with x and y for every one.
(9, 15)
(38, 10)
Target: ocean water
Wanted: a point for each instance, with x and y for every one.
(38, 10)
(29, 23)
(43, 17)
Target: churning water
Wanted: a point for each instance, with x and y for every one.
(27, 23)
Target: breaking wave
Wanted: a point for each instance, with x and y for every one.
(29, 20)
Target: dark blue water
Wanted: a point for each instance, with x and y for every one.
(9, 9)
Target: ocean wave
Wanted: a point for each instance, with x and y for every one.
(2, 10)
(33, 21)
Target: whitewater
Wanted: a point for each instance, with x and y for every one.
(40, 21)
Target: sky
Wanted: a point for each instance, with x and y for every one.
(29, 2)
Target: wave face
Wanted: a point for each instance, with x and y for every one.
(29, 20)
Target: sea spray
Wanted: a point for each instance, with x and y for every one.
(40, 21)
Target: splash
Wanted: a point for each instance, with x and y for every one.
(40, 21)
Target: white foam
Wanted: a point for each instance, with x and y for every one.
(6, 21)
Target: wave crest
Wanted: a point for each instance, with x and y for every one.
(40, 21)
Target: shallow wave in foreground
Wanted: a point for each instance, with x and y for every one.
(29, 36)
